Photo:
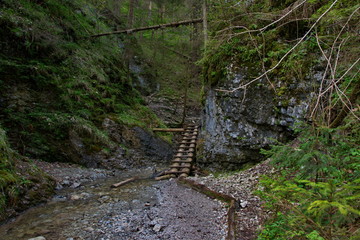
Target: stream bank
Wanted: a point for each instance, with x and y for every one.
(144, 209)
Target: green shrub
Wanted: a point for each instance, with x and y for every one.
(317, 190)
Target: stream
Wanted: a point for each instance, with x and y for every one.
(144, 209)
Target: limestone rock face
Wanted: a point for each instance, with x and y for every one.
(236, 125)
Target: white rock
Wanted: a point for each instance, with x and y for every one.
(75, 185)
(89, 229)
(243, 204)
(75, 197)
(38, 238)
(157, 228)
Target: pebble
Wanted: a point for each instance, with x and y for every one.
(89, 229)
(38, 238)
(157, 228)
(75, 185)
(66, 182)
(243, 204)
(75, 197)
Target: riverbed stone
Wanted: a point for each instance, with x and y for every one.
(38, 238)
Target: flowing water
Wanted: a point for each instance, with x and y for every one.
(143, 209)
(71, 207)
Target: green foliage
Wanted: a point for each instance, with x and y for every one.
(319, 154)
(316, 193)
(63, 80)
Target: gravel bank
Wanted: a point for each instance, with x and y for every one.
(141, 210)
(250, 214)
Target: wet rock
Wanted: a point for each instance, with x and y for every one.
(75, 185)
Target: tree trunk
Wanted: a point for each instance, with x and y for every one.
(205, 25)
(131, 13)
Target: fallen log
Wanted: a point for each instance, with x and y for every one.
(115, 185)
(173, 24)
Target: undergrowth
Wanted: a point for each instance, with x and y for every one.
(57, 79)
(317, 190)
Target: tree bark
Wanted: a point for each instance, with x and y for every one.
(132, 30)
(131, 13)
(205, 24)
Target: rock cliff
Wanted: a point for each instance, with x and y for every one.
(236, 125)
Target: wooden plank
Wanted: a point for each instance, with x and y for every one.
(189, 138)
(182, 152)
(168, 129)
(178, 172)
(231, 235)
(180, 167)
(184, 156)
(186, 149)
(187, 142)
(182, 161)
(165, 177)
(184, 175)
(115, 185)
(189, 135)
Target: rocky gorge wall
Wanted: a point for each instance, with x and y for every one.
(236, 125)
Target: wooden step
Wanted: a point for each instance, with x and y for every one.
(188, 149)
(189, 135)
(182, 153)
(189, 138)
(180, 166)
(184, 156)
(182, 161)
(178, 172)
(190, 130)
(188, 141)
(184, 175)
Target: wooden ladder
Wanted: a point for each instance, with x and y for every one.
(184, 156)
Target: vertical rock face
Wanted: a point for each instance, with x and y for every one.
(236, 125)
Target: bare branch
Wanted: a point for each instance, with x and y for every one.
(286, 54)
(267, 26)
